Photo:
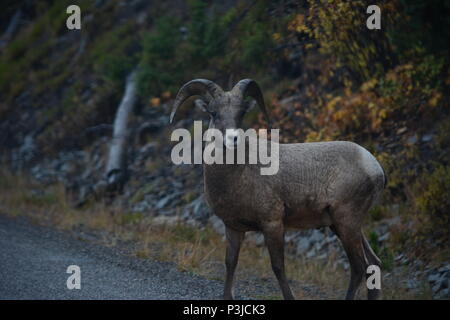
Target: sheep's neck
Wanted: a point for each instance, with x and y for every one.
(219, 176)
(222, 171)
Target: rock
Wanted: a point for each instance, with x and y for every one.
(142, 206)
(291, 236)
(217, 224)
(436, 287)
(331, 238)
(440, 282)
(345, 265)
(319, 245)
(434, 277)
(311, 253)
(384, 237)
(28, 149)
(303, 244)
(147, 150)
(85, 191)
(445, 268)
(193, 223)
(322, 256)
(164, 201)
(256, 237)
(445, 283)
(382, 229)
(443, 294)
(427, 138)
(411, 284)
(197, 209)
(169, 221)
(316, 236)
(412, 140)
(184, 32)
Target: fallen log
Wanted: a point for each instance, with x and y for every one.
(116, 167)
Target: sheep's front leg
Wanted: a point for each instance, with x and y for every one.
(234, 240)
(274, 237)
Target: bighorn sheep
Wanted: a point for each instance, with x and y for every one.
(324, 184)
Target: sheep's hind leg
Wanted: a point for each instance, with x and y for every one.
(352, 242)
(234, 240)
(274, 237)
(372, 294)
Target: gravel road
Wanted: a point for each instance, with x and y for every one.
(34, 261)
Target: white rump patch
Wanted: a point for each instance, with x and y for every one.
(371, 165)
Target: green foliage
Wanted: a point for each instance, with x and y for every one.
(339, 29)
(137, 197)
(113, 56)
(169, 56)
(131, 218)
(376, 213)
(384, 253)
(434, 202)
(256, 45)
(18, 60)
(184, 233)
(425, 26)
(159, 67)
(206, 34)
(250, 44)
(238, 41)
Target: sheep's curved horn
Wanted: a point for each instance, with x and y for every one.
(249, 87)
(197, 87)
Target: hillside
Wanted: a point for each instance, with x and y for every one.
(324, 74)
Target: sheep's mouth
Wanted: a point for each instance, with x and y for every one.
(231, 146)
(232, 138)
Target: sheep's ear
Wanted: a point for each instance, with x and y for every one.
(201, 104)
(249, 88)
(250, 104)
(197, 87)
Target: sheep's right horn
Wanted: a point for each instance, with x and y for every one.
(249, 87)
(197, 87)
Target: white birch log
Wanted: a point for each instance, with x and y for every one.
(116, 168)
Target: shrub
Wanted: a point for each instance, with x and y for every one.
(113, 55)
(159, 68)
(384, 253)
(434, 202)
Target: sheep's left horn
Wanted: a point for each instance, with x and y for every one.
(249, 87)
(197, 87)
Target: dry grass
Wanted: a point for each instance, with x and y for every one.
(198, 250)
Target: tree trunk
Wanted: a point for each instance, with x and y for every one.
(116, 168)
(116, 173)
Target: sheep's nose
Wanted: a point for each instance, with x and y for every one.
(231, 138)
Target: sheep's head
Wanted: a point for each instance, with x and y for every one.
(226, 109)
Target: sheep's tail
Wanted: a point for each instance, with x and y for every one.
(385, 177)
